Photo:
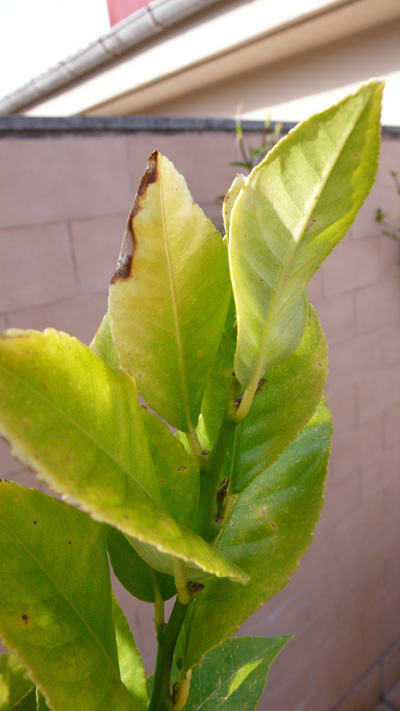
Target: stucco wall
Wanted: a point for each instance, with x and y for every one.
(63, 206)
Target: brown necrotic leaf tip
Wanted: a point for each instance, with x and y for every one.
(129, 242)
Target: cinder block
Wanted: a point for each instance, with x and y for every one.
(365, 695)
(337, 316)
(8, 465)
(344, 407)
(352, 447)
(391, 344)
(394, 695)
(391, 668)
(63, 178)
(79, 317)
(351, 361)
(389, 257)
(391, 419)
(378, 392)
(97, 242)
(350, 266)
(37, 266)
(315, 287)
(378, 305)
(195, 156)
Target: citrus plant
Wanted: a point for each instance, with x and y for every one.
(211, 493)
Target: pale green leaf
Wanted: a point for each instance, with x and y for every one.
(169, 295)
(130, 661)
(294, 208)
(102, 344)
(267, 534)
(233, 676)
(230, 199)
(290, 396)
(55, 601)
(14, 681)
(78, 424)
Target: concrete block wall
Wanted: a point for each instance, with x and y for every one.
(63, 207)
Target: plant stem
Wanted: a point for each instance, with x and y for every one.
(211, 467)
(161, 697)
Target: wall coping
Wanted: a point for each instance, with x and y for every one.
(15, 126)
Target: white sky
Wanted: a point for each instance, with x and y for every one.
(37, 34)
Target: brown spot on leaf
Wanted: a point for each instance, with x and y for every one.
(181, 469)
(34, 523)
(129, 242)
(25, 619)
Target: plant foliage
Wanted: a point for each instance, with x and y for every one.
(214, 496)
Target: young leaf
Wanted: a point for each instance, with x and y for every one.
(290, 396)
(233, 676)
(102, 344)
(133, 573)
(169, 295)
(14, 681)
(130, 662)
(81, 430)
(294, 208)
(55, 601)
(230, 199)
(268, 532)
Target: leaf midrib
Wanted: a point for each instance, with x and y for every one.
(172, 285)
(297, 235)
(62, 594)
(229, 679)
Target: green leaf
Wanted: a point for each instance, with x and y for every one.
(139, 578)
(295, 207)
(177, 475)
(27, 703)
(215, 396)
(169, 295)
(14, 681)
(233, 676)
(291, 395)
(55, 601)
(78, 424)
(267, 534)
(130, 661)
(230, 199)
(103, 345)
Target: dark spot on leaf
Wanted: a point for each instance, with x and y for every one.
(69, 543)
(127, 517)
(181, 469)
(319, 365)
(205, 452)
(309, 224)
(25, 619)
(273, 525)
(34, 523)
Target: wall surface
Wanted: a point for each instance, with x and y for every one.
(63, 206)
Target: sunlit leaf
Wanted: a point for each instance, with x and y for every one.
(55, 601)
(294, 208)
(78, 424)
(169, 295)
(267, 534)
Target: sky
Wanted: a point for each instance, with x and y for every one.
(37, 34)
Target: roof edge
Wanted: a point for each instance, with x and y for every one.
(145, 23)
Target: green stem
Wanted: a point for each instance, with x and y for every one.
(210, 469)
(161, 696)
